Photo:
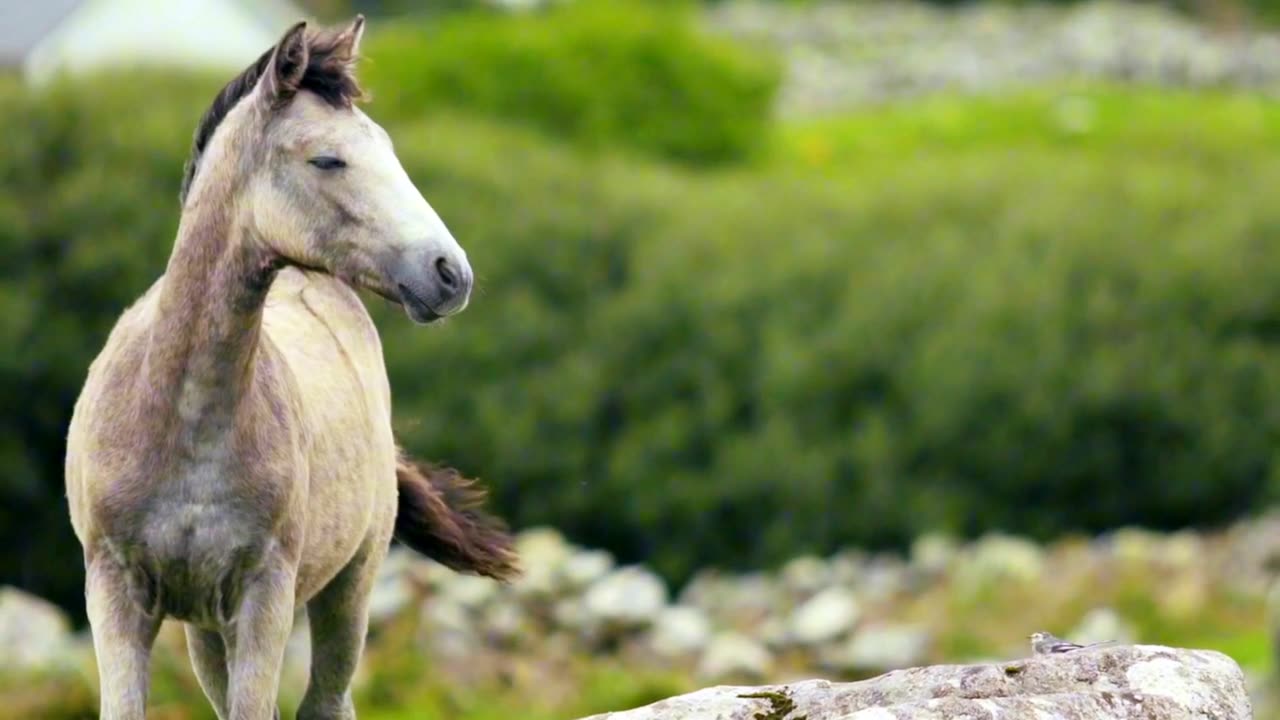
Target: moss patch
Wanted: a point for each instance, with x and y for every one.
(780, 705)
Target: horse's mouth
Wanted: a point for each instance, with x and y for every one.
(419, 310)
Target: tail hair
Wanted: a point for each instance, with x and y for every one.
(441, 516)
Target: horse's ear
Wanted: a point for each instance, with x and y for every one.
(288, 64)
(349, 39)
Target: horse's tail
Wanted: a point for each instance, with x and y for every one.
(440, 516)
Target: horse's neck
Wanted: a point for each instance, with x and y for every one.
(205, 331)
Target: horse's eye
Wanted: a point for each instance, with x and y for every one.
(325, 162)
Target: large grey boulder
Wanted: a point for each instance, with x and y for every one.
(1144, 682)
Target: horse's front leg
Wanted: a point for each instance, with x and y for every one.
(339, 619)
(124, 629)
(256, 639)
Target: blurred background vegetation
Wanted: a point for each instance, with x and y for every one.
(706, 334)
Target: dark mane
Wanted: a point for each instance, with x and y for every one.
(329, 74)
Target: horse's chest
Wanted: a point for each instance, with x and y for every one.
(193, 540)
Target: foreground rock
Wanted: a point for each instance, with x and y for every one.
(1144, 682)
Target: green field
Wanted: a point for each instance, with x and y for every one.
(1102, 122)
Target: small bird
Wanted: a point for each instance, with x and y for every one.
(1043, 643)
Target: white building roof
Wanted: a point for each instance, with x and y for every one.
(50, 37)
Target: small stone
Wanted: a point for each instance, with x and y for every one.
(445, 614)
(542, 553)
(680, 631)
(933, 553)
(570, 613)
(748, 600)
(1134, 545)
(847, 567)
(882, 647)
(447, 630)
(392, 592)
(707, 590)
(35, 633)
(882, 579)
(469, 591)
(503, 622)
(1000, 558)
(430, 574)
(773, 633)
(584, 568)
(806, 574)
(630, 596)
(1182, 551)
(824, 617)
(1102, 624)
(733, 656)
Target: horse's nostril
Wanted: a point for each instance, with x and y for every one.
(448, 276)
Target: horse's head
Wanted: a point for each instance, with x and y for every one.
(319, 182)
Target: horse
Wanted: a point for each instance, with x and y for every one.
(230, 459)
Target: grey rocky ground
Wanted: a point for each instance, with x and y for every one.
(841, 55)
(847, 616)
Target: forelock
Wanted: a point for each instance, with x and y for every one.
(330, 74)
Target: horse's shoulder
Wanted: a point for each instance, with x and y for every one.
(307, 312)
(124, 348)
(330, 303)
(96, 428)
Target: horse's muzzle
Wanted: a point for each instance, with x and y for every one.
(434, 287)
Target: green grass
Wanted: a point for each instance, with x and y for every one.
(1177, 609)
(1117, 122)
(594, 688)
(402, 683)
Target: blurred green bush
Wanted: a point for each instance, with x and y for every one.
(601, 73)
(736, 367)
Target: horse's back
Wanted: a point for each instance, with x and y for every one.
(328, 341)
